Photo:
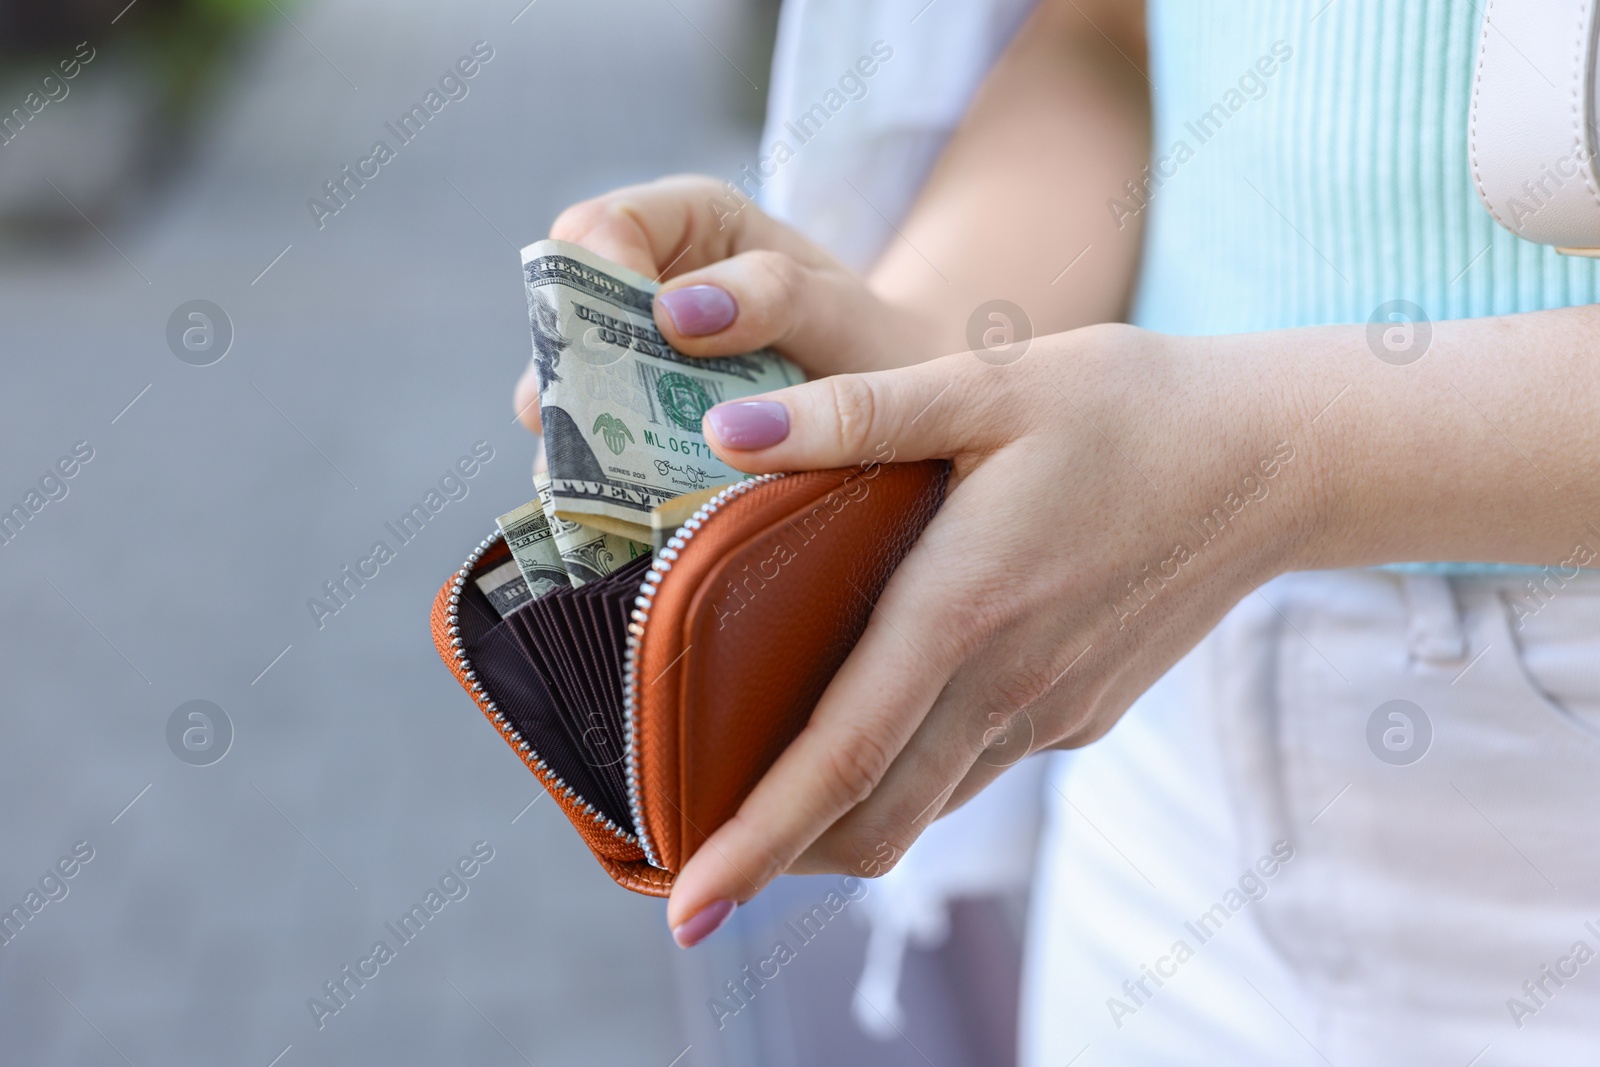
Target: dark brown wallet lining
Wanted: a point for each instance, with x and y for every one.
(554, 666)
(595, 712)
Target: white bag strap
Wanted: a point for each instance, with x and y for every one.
(1532, 125)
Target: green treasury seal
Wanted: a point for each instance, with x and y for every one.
(683, 399)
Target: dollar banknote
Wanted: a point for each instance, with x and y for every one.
(588, 554)
(665, 519)
(621, 408)
(505, 588)
(533, 548)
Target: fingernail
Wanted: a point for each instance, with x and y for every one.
(749, 424)
(702, 924)
(697, 310)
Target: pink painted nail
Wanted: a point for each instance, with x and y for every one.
(697, 310)
(702, 924)
(749, 424)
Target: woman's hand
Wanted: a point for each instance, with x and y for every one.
(1114, 493)
(737, 280)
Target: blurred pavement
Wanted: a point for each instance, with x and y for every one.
(366, 360)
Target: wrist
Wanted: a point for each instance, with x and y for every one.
(1396, 468)
(1210, 434)
(1276, 396)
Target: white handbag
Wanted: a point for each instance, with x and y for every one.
(1532, 133)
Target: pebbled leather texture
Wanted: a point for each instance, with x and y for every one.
(750, 625)
(744, 631)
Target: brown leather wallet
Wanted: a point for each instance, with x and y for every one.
(649, 703)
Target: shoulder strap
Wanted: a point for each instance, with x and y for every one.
(1532, 124)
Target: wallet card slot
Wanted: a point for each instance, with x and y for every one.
(608, 673)
(518, 688)
(609, 632)
(553, 671)
(550, 628)
(606, 632)
(584, 634)
(574, 643)
(600, 740)
(596, 738)
(534, 650)
(613, 606)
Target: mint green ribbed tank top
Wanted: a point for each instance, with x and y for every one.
(1335, 184)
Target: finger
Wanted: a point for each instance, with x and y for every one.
(943, 408)
(978, 778)
(995, 760)
(985, 715)
(677, 224)
(971, 736)
(963, 733)
(864, 718)
(923, 627)
(647, 228)
(821, 315)
(871, 838)
(525, 399)
(665, 228)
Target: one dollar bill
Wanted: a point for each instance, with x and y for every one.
(505, 588)
(621, 408)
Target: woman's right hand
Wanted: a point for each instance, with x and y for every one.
(735, 280)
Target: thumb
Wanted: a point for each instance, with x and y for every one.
(939, 409)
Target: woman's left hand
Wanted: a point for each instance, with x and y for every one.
(1114, 493)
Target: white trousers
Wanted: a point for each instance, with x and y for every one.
(1358, 825)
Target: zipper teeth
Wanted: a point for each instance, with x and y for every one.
(641, 616)
(551, 780)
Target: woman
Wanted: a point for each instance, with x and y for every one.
(1349, 821)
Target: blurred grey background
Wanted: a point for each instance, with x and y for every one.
(366, 357)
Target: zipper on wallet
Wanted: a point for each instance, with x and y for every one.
(547, 776)
(660, 568)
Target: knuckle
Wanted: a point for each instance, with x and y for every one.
(772, 284)
(690, 184)
(761, 861)
(983, 615)
(855, 851)
(579, 219)
(677, 194)
(1018, 688)
(1088, 722)
(776, 273)
(852, 768)
(703, 202)
(616, 214)
(828, 854)
(1004, 737)
(854, 404)
(873, 850)
(876, 866)
(575, 219)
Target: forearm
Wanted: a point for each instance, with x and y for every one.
(1020, 192)
(1485, 449)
